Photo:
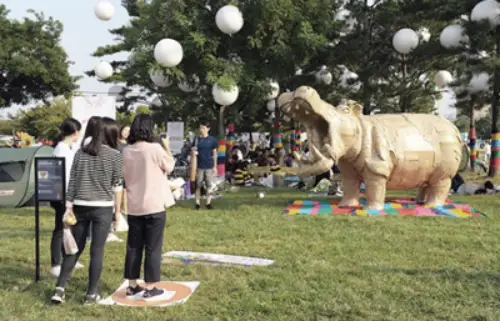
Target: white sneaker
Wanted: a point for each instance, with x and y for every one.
(79, 265)
(55, 271)
(113, 238)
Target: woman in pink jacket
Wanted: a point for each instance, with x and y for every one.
(145, 166)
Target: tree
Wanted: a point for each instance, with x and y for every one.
(278, 36)
(33, 65)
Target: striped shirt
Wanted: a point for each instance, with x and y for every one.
(94, 179)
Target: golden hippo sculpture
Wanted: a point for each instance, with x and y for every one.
(385, 151)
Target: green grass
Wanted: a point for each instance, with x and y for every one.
(327, 268)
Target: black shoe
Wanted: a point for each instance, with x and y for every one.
(92, 299)
(58, 296)
(133, 291)
(152, 294)
(209, 207)
(197, 207)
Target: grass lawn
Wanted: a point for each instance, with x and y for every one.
(327, 268)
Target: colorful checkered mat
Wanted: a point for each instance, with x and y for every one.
(405, 207)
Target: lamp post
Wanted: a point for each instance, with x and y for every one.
(404, 42)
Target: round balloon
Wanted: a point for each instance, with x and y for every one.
(229, 19)
(168, 52)
(275, 90)
(405, 41)
(479, 82)
(324, 76)
(452, 36)
(159, 79)
(186, 87)
(424, 34)
(157, 102)
(225, 97)
(443, 78)
(103, 70)
(104, 10)
(271, 105)
(486, 10)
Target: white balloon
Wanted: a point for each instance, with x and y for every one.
(117, 92)
(103, 70)
(487, 10)
(168, 52)
(347, 77)
(452, 36)
(275, 90)
(186, 87)
(157, 102)
(159, 79)
(225, 97)
(229, 19)
(424, 34)
(271, 105)
(405, 41)
(104, 10)
(443, 78)
(324, 77)
(479, 82)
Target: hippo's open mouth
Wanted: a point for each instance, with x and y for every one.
(319, 137)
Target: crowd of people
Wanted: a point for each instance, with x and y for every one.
(97, 170)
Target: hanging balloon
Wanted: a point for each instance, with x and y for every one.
(324, 77)
(405, 41)
(443, 78)
(168, 52)
(159, 79)
(487, 10)
(104, 10)
(225, 97)
(157, 102)
(275, 90)
(424, 34)
(103, 70)
(229, 19)
(453, 36)
(479, 82)
(271, 105)
(186, 87)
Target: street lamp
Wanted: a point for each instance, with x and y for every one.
(405, 41)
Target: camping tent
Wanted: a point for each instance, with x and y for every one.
(17, 174)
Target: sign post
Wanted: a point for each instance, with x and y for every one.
(50, 186)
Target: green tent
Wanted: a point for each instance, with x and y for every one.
(17, 174)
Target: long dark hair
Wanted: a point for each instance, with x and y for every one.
(141, 129)
(111, 132)
(94, 130)
(67, 128)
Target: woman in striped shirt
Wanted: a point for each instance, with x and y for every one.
(96, 178)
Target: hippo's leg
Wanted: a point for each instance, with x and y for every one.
(422, 195)
(351, 188)
(438, 192)
(375, 192)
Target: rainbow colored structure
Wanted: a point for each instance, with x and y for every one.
(277, 136)
(495, 151)
(473, 147)
(221, 156)
(404, 207)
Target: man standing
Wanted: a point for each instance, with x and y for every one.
(206, 153)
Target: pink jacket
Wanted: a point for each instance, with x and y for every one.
(145, 166)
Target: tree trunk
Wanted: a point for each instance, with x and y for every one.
(495, 135)
(472, 137)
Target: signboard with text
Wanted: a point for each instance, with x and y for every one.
(50, 179)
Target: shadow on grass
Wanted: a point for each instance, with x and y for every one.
(448, 274)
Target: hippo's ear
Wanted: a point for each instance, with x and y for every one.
(356, 109)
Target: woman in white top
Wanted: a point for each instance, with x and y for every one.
(69, 132)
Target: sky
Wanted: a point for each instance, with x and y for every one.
(83, 33)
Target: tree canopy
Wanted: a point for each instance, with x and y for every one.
(33, 65)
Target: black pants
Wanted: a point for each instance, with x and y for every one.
(101, 218)
(145, 233)
(56, 243)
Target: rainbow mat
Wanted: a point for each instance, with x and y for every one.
(405, 207)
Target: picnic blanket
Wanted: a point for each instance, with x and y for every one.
(405, 207)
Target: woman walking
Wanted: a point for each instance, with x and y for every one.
(146, 164)
(96, 176)
(69, 132)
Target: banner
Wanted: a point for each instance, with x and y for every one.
(175, 130)
(84, 107)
